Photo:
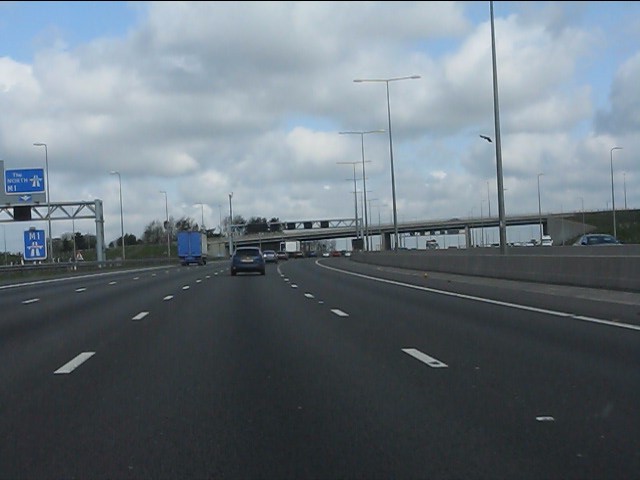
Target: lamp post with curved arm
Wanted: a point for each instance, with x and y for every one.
(393, 179)
(613, 198)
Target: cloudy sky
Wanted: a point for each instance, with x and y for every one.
(200, 99)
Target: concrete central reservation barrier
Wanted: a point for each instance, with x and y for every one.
(610, 267)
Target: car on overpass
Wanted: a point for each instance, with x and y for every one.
(597, 239)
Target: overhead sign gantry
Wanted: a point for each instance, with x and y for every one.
(23, 198)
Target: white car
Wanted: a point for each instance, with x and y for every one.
(547, 241)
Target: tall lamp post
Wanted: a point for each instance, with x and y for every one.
(496, 116)
(113, 172)
(230, 225)
(355, 192)
(166, 223)
(613, 198)
(488, 200)
(202, 212)
(4, 232)
(539, 207)
(583, 225)
(393, 179)
(46, 163)
(364, 180)
(369, 203)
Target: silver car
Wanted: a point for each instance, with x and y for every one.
(270, 256)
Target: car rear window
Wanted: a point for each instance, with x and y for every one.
(248, 252)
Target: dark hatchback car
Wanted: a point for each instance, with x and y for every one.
(597, 239)
(248, 260)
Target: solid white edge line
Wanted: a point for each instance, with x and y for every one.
(75, 363)
(424, 358)
(487, 300)
(65, 279)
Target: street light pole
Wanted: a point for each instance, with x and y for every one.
(393, 179)
(370, 200)
(624, 185)
(583, 225)
(355, 192)
(613, 198)
(539, 208)
(202, 213)
(230, 225)
(166, 223)
(496, 114)
(4, 232)
(481, 223)
(121, 215)
(46, 163)
(364, 180)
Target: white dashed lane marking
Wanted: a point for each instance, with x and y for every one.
(545, 418)
(32, 300)
(424, 358)
(340, 313)
(75, 363)
(140, 316)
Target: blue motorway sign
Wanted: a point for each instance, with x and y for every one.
(35, 245)
(26, 180)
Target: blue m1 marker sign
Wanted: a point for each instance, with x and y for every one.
(35, 245)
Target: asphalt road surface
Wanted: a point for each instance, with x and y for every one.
(322, 368)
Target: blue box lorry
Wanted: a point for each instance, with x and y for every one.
(192, 248)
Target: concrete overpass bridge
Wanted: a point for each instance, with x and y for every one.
(561, 227)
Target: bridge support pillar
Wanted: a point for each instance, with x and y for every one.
(385, 241)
